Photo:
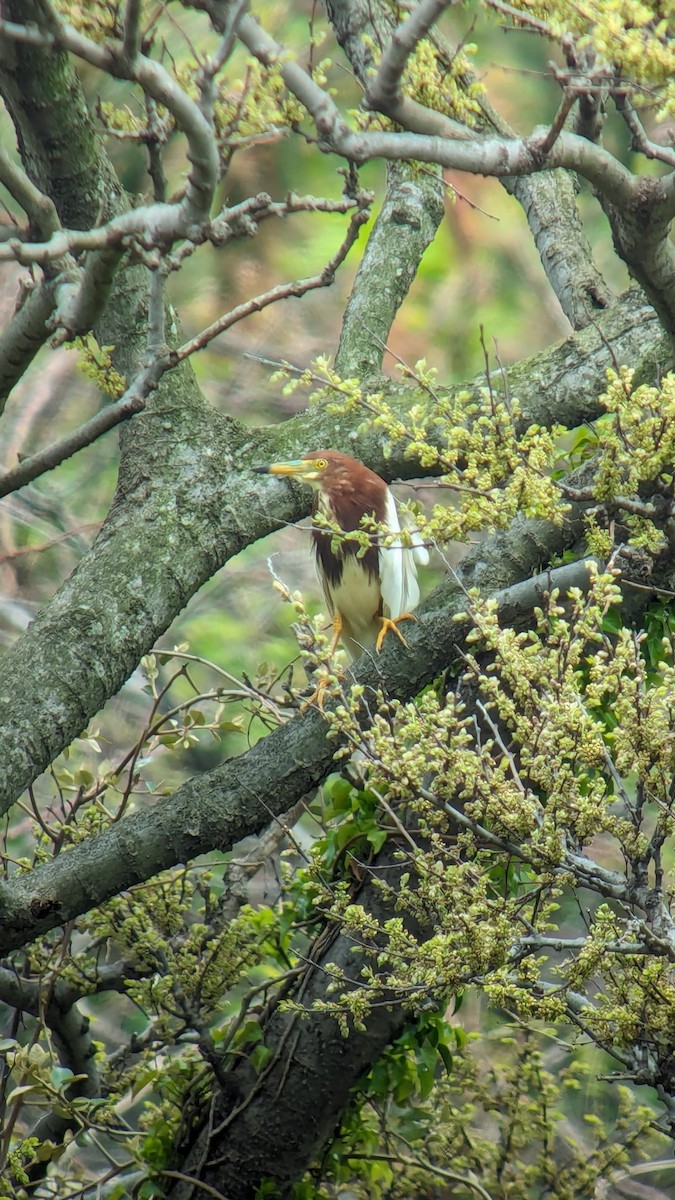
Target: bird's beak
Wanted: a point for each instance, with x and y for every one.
(296, 466)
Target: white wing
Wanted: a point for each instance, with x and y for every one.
(398, 572)
(419, 551)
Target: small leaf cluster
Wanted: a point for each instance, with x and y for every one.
(176, 963)
(98, 19)
(633, 38)
(493, 466)
(255, 105)
(441, 84)
(485, 1113)
(569, 739)
(96, 363)
(637, 453)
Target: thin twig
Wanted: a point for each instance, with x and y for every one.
(568, 100)
(132, 32)
(639, 137)
(283, 291)
(52, 456)
(422, 1164)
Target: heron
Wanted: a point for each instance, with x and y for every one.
(369, 593)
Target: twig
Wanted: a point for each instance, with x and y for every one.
(154, 138)
(640, 140)
(558, 122)
(283, 291)
(229, 35)
(132, 33)
(422, 1164)
(38, 207)
(133, 401)
(20, 551)
(193, 1182)
(524, 19)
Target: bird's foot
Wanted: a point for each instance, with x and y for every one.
(318, 696)
(327, 675)
(391, 623)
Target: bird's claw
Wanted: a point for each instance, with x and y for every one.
(318, 697)
(391, 623)
(327, 685)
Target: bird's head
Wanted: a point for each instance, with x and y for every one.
(312, 469)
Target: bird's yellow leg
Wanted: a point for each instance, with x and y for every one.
(391, 623)
(337, 630)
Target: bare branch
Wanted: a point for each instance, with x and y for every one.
(39, 209)
(45, 460)
(132, 33)
(229, 37)
(524, 19)
(156, 83)
(558, 122)
(25, 334)
(56, 1004)
(298, 287)
(481, 156)
(154, 225)
(640, 141)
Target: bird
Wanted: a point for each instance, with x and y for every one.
(369, 593)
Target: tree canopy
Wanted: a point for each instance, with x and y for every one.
(418, 941)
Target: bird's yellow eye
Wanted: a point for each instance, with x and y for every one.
(321, 463)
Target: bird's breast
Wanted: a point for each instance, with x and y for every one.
(356, 596)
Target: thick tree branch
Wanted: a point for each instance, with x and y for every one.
(549, 202)
(406, 224)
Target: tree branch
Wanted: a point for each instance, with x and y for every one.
(487, 156)
(111, 58)
(23, 337)
(406, 225)
(132, 402)
(297, 287)
(39, 209)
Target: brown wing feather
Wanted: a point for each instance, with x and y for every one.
(349, 492)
